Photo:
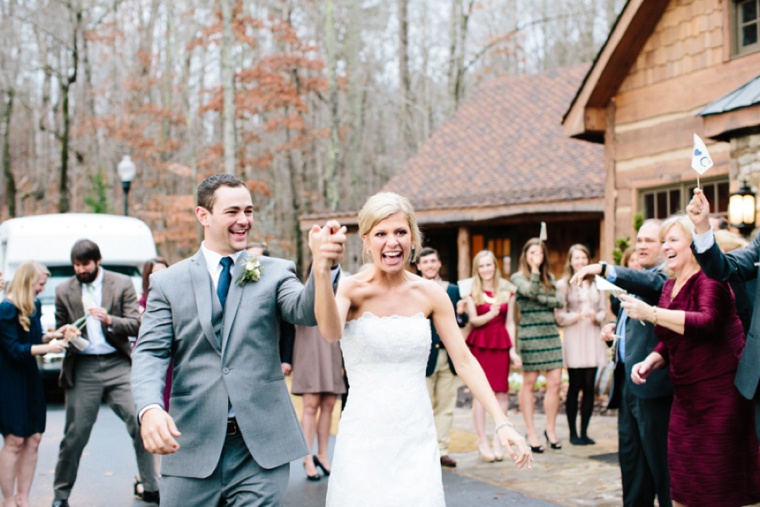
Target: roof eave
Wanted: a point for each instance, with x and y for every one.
(627, 37)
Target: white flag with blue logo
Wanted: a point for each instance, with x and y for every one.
(700, 159)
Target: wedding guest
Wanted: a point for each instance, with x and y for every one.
(258, 248)
(581, 316)
(100, 372)
(644, 409)
(22, 398)
(442, 381)
(491, 309)
(538, 339)
(318, 377)
(387, 448)
(713, 453)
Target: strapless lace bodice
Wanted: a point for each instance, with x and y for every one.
(386, 452)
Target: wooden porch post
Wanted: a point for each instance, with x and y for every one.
(463, 253)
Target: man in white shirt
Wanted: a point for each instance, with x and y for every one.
(101, 370)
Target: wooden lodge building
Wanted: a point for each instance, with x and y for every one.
(669, 69)
(586, 149)
(494, 171)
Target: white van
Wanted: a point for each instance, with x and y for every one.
(125, 244)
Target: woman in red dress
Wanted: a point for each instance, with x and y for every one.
(712, 448)
(491, 313)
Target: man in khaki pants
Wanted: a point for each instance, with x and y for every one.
(442, 381)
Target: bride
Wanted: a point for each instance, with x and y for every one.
(386, 451)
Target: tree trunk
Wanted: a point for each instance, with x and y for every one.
(331, 177)
(354, 154)
(66, 82)
(10, 182)
(228, 84)
(404, 80)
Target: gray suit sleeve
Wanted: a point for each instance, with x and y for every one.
(736, 266)
(647, 285)
(152, 353)
(294, 300)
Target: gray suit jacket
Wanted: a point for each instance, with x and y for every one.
(641, 340)
(222, 358)
(120, 301)
(739, 266)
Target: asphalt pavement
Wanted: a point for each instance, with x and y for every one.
(572, 476)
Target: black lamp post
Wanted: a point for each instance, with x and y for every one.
(127, 172)
(742, 209)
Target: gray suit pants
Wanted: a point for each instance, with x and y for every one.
(98, 377)
(237, 481)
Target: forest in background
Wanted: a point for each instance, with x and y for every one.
(314, 103)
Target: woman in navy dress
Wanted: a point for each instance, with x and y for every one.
(22, 399)
(712, 447)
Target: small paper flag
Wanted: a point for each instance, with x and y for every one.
(465, 287)
(604, 285)
(542, 234)
(700, 158)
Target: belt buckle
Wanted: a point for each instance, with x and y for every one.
(232, 427)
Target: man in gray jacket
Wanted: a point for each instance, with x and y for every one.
(232, 430)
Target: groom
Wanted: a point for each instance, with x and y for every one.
(232, 430)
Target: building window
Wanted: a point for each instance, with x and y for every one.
(746, 26)
(663, 202)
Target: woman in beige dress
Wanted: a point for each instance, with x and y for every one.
(583, 351)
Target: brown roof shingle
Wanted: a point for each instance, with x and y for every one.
(505, 145)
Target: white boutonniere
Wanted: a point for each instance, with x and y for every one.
(252, 271)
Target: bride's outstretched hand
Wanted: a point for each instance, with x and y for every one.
(516, 446)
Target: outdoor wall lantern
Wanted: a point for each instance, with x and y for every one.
(127, 172)
(741, 209)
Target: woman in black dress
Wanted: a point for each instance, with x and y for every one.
(22, 399)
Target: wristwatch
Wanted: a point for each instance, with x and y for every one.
(604, 269)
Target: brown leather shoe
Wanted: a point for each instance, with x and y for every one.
(446, 461)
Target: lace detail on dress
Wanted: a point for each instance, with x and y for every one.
(386, 452)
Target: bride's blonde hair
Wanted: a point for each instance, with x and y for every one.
(384, 204)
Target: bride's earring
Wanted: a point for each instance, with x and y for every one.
(411, 257)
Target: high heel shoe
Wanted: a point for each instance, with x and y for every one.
(137, 488)
(486, 454)
(313, 478)
(554, 445)
(319, 464)
(536, 449)
(498, 452)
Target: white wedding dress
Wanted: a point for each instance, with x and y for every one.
(386, 451)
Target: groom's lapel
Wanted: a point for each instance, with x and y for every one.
(233, 297)
(202, 289)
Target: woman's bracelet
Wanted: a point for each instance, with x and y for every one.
(654, 315)
(502, 425)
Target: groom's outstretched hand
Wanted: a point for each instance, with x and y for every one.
(158, 430)
(327, 244)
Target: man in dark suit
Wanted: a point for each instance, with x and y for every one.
(442, 382)
(736, 266)
(102, 369)
(231, 432)
(644, 409)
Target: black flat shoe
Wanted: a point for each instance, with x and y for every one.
(535, 449)
(319, 464)
(554, 445)
(588, 440)
(313, 478)
(576, 440)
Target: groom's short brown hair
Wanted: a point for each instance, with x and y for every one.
(207, 188)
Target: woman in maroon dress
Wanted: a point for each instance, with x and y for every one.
(491, 313)
(712, 447)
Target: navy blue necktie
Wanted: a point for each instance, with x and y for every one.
(223, 287)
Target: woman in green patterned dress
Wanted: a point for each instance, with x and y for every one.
(538, 339)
